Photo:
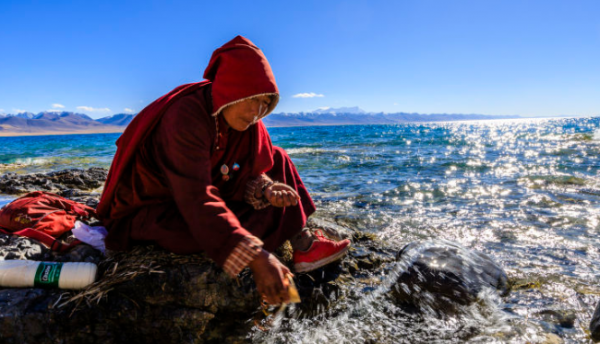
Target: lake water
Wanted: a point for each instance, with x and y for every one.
(525, 192)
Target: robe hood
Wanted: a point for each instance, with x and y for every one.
(239, 70)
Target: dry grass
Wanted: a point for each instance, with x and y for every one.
(122, 267)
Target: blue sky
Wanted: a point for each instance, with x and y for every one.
(532, 58)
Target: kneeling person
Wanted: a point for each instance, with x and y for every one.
(195, 171)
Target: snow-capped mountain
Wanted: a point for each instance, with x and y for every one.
(346, 110)
(25, 115)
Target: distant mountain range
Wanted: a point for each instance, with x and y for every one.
(121, 119)
(27, 123)
(356, 116)
(343, 110)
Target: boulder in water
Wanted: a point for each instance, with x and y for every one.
(595, 324)
(440, 275)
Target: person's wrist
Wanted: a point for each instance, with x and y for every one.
(267, 185)
(264, 188)
(262, 256)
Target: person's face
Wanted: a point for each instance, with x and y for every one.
(240, 116)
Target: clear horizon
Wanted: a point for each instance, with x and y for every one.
(533, 59)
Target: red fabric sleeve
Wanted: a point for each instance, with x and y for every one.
(242, 255)
(182, 145)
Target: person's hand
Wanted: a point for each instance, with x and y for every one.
(281, 195)
(270, 276)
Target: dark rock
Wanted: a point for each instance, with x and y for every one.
(80, 179)
(441, 276)
(562, 318)
(15, 247)
(595, 324)
(70, 193)
(59, 187)
(30, 316)
(86, 180)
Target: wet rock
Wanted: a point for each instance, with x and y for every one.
(15, 247)
(80, 179)
(440, 276)
(70, 193)
(14, 184)
(595, 324)
(562, 318)
(331, 230)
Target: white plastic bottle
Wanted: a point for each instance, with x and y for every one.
(29, 273)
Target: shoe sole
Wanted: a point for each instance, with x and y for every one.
(306, 267)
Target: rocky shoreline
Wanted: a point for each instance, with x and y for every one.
(149, 295)
(65, 183)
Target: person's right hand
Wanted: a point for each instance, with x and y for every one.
(281, 195)
(270, 277)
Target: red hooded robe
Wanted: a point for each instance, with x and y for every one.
(165, 184)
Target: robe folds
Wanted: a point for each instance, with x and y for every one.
(174, 193)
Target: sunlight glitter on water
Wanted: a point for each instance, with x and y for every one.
(524, 192)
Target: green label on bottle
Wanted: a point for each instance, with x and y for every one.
(47, 275)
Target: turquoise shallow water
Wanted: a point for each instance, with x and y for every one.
(526, 192)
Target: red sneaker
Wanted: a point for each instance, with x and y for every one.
(321, 252)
